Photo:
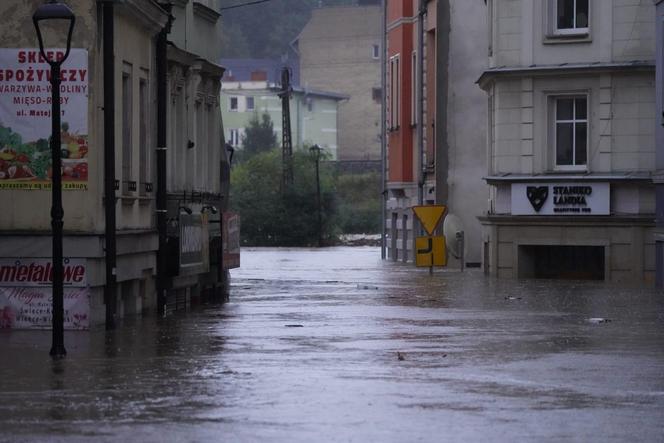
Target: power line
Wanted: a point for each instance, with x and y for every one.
(243, 4)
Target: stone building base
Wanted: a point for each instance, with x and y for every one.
(615, 248)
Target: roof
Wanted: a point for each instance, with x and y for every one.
(319, 93)
(241, 68)
(254, 87)
(505, 71)
(577, 177)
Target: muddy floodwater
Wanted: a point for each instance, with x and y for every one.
(336, 345)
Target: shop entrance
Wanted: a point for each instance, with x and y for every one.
(561, 262)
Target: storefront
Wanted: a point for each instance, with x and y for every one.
(596, 227)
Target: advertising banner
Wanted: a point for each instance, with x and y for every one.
(25, 119)
(231, 240)
(30, 308)
(26, 296)
(194, 243)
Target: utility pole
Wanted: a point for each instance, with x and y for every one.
(286, 141)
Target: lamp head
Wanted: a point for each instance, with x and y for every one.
(51, 12)
(315, 150)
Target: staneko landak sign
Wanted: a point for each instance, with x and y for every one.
(25, 119)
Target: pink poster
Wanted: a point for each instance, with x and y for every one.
(26, 296)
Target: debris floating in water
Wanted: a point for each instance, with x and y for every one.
(400, 356)
(512, 298)
(598, 320)
(359, 286)
(294, 326)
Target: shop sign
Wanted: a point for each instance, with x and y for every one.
(25, 119)
(26, 294)
(569, 199)
(194, 242)
(231, 240)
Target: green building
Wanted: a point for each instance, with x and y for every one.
(313, 113)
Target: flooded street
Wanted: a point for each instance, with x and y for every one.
(335, 345)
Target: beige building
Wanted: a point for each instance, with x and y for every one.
(571, 146)
(339, 50)
(194, 151)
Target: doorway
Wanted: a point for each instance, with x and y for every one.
(562, 262)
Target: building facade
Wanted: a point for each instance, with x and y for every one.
(658, 178)
(313, 113)
(436, 120)
(571, 140)
(116, 53)
(340, 50)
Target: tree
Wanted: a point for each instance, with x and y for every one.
(258, 137)
(271, 217)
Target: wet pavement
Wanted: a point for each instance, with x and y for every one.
(335, 345)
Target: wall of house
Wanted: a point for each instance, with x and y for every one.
(621, 150)
(523, 33)
(467, 121)
(29, 210)
(336, 54)
(313, 116)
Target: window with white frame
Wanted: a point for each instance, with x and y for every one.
(234, 137)
(250, 103)
(144, 106)
(375, 52)
(571, 17)
(571, 132)
(395, 96)
(127, 129)
(233, 104)
(413, 90)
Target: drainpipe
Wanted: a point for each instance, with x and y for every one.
(162, 72)
(383, 141)
(420, 102)
(110, 292)
(442, 86)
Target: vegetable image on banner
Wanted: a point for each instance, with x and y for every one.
(25, 119)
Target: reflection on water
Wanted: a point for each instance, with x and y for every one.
(476, 357)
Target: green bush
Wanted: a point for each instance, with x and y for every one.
(271, 217)
(359, 203)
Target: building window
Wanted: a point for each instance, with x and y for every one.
(571, 132)
(250, 103)
(375, 52)
(413, 90)
(234, 137)
(127, 148)
(377, 94)
(572, 17)
(395, 95)
(233, 104)
(143, 170)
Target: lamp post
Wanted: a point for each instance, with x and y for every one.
(54, 11)
(315, 150)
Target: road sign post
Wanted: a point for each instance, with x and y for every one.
(430, 251)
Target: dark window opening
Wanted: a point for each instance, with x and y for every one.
(562, 262)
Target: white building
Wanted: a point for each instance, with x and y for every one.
(571, 145)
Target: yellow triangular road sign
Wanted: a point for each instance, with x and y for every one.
(430, 216)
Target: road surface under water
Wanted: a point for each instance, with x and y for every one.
(335, 345)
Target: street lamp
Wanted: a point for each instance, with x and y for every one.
(315, 150)
(50, 12)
